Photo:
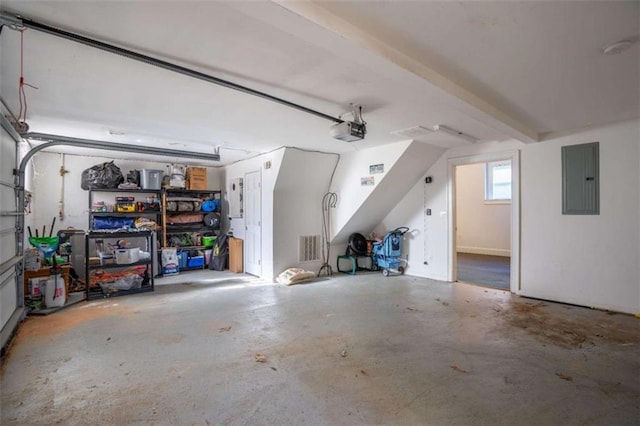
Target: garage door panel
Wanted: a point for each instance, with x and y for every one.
(8, 295)
(7, 247)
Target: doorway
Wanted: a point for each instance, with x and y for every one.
(253, 223)
(484, 220)
(483, 223)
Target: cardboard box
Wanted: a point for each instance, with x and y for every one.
(196, 178)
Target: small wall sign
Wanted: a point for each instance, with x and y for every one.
(376, 168)
(367, 181)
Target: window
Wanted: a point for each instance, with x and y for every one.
(497, 181)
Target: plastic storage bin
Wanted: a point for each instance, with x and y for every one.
(182, 259)
(195, 262)
(151, 179)
(208, 241)
(127, 255)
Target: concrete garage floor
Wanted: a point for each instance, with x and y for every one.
(416, 352)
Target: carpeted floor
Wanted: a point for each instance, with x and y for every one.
(490, 271)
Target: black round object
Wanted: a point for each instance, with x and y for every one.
(358, 244)
(212, 220)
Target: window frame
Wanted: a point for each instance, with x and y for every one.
(489, 182)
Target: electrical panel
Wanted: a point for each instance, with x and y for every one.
(580, 179)
(234, 195)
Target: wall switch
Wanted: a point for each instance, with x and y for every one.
(428, 212)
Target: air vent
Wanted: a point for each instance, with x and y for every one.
(413, 132)
(309, 248)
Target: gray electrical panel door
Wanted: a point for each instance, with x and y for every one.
(580, 179)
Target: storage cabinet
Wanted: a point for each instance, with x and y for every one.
(119, 263)
(190, 223)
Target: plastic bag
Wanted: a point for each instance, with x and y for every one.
(169, 261)
(126, 282)
(108, 222)
(133, 177)
(102, 176)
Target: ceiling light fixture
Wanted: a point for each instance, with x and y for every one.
(619, 46)
(453, 132)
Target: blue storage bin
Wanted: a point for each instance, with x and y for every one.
(182, 259)
(195, 262)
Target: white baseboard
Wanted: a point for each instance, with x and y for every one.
(484, 250)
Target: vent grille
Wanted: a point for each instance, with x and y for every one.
(309, 248)
(413, 132)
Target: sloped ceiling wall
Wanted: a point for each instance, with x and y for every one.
(361, 208)
(302, 181)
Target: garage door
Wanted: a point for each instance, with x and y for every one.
(10, 216)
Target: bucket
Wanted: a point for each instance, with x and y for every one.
(54, 294)
(151, 179)
(208, 241)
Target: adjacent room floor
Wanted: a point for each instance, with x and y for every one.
(490, 271)
(358, 349)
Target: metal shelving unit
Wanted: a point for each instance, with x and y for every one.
(155, 214)
(200, 227)
(103, 279)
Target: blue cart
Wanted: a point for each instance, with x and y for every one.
(386, 253)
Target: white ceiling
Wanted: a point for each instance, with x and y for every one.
(492, 70)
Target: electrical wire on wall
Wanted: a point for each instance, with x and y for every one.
(22, 97)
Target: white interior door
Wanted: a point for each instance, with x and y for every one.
(253, 224)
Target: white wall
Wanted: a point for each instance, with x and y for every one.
(346, 182)
(482, 228)
(269, 177)
(46, 185)
(361, 208)
(426, 245)
(302, 182)
(587, 260)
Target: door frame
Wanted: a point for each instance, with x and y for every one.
(514, 156)
(246, 212)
